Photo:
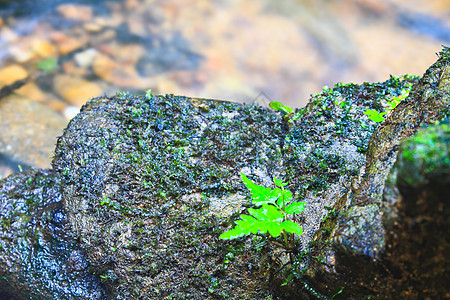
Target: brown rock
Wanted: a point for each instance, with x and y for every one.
(28, 131)
(65, 43)
(70, 45)
(21, 53)
(32, 92)
(138, 26)
(76, 90)
(75, 12)
(43, 48)
(57, 105)
(92, 27)
(71, 68)
(108, 21)
(11, 74)
(104, 67)
(124, 75)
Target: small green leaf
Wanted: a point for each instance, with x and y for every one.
(267, 213)
(274, 228)
(279, 182)
(284, 198)
(148, 94)
(243, 227)
(295, 208)
(259, 193)
(297, 116)
(393, 104)
(47, 64)
(375, 115)
(292, 227)
(232, 234)
(397, 99)
(269, 218)
(280, 107)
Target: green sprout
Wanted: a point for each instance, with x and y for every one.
(280, 107)
(377, 116)
(285, 109)
(148, 94)
(271, 216)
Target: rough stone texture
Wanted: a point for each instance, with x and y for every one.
(356, 253)
(149, 183)
(37, 259)
(142, 180)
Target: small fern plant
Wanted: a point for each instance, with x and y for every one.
(271, 216)
(288, 111)
(377, 116)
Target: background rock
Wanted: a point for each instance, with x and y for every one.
(252, 51)
(29, 131)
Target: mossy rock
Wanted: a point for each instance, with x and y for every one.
(148, 184)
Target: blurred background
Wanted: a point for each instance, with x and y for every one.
(55, 54)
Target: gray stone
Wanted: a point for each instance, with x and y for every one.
(149, 183)
(37, 259)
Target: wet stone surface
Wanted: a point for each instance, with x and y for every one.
(148, 184)
(28, 134)
(142, 177)
(150, 166)
(37, 259)
(358, 237)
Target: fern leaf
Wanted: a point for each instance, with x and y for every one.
(267, 213)
(259, 193)
(295, 208)
(244, 226)
(284, 198)
(292, 227)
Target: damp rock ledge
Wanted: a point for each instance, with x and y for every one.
(141, 187)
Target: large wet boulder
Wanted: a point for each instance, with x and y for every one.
(148, 183)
